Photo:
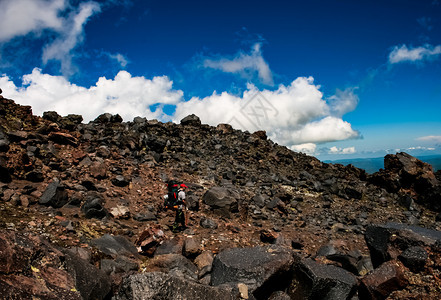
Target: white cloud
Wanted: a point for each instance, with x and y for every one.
(126, 95)
(70, 36)
(308, 148)
(335, 150)
(430, 138)
(60, 18)
(291, 115)
(244, 64)
(343, 102)
(20, 17)
(121, 59)
(403, 54)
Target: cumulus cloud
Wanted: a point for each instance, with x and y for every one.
(335, 150)
(245, 64)
(70, 36)
(292, 115)
(295, 115)
(308, 148)
(20, 17)
(405, 54)
(126, 95)
(430, 138)
(60, 19)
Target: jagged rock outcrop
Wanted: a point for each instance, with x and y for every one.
(408, 175)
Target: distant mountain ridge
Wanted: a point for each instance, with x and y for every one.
(372, 165)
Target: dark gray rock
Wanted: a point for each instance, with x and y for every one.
(120, 181)
(108, 118)
(192, 202)
(263, 269)
(316, 281)
(161, 286)
(52, 116)
(414, 258)
(93, 206)
(146, 216)
(55, 195)
(70, 122)
(192, 120)
(91, 282)
(208, 223)
(221, 200)
(174, 264)
(172, 246)
(378, 239)
(115, 246)
(121, 264)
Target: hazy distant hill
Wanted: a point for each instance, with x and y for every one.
(372, 165)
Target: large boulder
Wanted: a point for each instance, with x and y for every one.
(33, 268)
(263, 269)
(115, 246)
(175, 264)
(91, 282)
(317, 281)
(191, 120)
(162, 286)
(382, 281)
(55, 195)
(407, 173)
(221, 200)
(386, 242)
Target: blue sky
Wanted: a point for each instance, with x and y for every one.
(335, 79)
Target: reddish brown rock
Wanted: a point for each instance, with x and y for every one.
(98, 170)
(382, 281)
(149, 239)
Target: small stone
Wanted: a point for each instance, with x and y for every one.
(208, 223)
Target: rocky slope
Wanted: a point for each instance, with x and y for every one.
(81, 215)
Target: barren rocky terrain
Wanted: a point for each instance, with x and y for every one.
(81, 215)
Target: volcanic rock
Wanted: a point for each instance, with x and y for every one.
(175, 264)
(158, 285)
(382, 281)
(262, 269)
(192, 120)
(115, 246)
(55, 195)
(93, 206)
(221, 200)
(414, 258)
(316, 281)
(389, 240)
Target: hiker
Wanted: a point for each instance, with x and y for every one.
(175, 199)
